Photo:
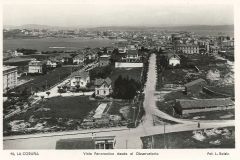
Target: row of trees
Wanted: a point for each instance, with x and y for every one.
(26, 51)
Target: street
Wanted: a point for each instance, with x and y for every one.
(125, 138)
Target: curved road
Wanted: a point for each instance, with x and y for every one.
(125, 138)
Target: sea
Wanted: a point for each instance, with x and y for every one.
(50, 44)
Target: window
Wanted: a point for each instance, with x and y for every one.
(104, 92)
(97, 91)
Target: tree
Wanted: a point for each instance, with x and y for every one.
(78, 87)
(48, 93)
(125, 88)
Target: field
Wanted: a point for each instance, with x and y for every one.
(49, 79)
(62, 107)
(47, 44)
(190, 139)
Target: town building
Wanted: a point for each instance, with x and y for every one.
(78, 59)
(122, 49)
(51, 64)
(173, 59)
(131, 56)
(187, 106)
(16, 54)
(35, 66)
(104, 142)
(103, 87)
(9, 77)
(79, 78)
(214, 50)
(187, 48)
(104, 60)
(195, 87)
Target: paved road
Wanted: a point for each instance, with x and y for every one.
(54, 91)
(125, 138)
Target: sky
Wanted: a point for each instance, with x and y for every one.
(117, 14)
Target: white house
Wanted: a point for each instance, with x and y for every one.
(173, 59)
(78, 59)
(51, 64)
(35, 66)
(80, 78)
(103, 87)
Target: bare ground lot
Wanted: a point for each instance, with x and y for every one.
(210, 138)
(54, 114)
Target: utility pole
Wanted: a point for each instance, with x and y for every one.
(134, 108)
(126, 143)
(164, 130)
(152, 146)
(46, 84)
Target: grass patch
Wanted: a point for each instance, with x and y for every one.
(52, 78)
(61, 107)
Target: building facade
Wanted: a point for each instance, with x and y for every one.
(173, 59)
(9, 77)
(103, 87)
(80, 79)
(187, 49)
(187, 106)
(35, 66)
(104, 60)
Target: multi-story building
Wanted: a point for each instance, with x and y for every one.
(35, 66)
(131, 56)
(9, 77)
(80, 78)
(187, 48)
(104, 60)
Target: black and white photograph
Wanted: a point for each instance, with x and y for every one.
(118, 75)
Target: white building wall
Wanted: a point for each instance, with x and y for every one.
(34, 69)
(174, 61)
(128, 65)
(10, 79)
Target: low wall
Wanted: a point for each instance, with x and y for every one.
(126, 65)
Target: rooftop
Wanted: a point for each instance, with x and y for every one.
(5, 68)
(99, 82)
(186, 103)
(81, 74)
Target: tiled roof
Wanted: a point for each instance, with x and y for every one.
(201, 103)
(100, 81)
(83, 74)
(132, 52)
